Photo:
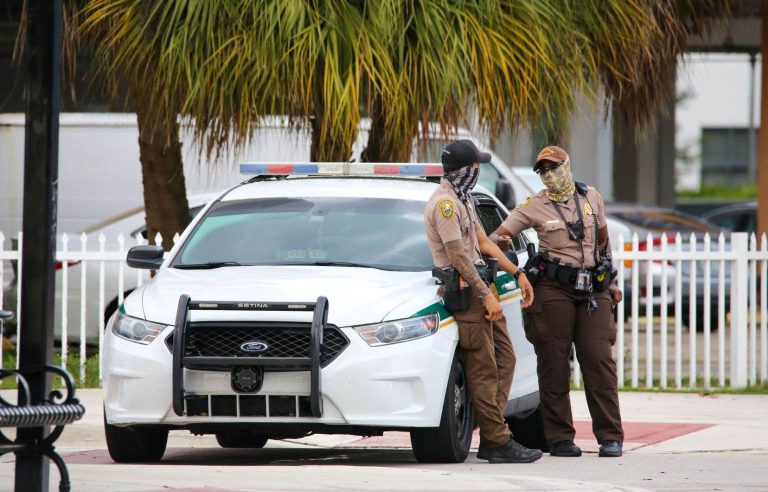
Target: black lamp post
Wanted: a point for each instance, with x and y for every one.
(41, 148)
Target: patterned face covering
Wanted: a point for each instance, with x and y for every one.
(463, 180)
(559, 182)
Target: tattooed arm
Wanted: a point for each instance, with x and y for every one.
(463, 264)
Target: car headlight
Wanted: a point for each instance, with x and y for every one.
(399, 330)
(134, 329)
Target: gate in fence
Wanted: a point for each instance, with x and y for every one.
(694, 312)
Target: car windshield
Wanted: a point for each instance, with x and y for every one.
(367, 232)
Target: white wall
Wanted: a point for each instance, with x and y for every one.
(719, 89)
(100, 171)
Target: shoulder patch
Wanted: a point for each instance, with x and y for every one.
(446, 208)
(525, 203)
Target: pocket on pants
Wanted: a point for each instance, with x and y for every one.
(470, 335)
(530, 325)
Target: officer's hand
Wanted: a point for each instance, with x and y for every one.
(503, 241)
(527, 290)
(493, 307)
(616, 294)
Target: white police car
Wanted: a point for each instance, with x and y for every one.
(299, 302)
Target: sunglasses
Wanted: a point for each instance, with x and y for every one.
(543, 169)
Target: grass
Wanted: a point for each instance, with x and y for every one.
(73, 366)
(721, 192)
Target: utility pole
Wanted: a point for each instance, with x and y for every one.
(762, 144)
(41, 148)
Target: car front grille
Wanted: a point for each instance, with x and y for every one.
(284, 340)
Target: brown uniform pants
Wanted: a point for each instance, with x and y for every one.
(489, 362)
(557, 319)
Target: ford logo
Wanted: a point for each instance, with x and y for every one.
(254, 347)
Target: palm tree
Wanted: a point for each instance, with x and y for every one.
(323, 63)
(222, 65)
(524, 62)
(131, 42)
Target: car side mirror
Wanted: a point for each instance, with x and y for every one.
(512, 256)
(145, 257)
(505, 193)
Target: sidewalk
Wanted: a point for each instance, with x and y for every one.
(656, 425)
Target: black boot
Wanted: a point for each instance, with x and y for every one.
(610, 449)
(565, 449)
(513, 452)
(482, 451)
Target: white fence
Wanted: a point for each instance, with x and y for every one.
(672, 285)
(91, 279)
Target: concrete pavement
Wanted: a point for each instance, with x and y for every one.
(673, 442)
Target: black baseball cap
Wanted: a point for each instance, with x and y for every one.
(462, 153)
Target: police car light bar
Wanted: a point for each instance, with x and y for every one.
(340, 169)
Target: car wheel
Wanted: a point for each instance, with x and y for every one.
(700, 317)
(529, 431)
(135, 444)
(240, 439)
(450, 442)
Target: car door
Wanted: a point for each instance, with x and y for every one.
(491, 214)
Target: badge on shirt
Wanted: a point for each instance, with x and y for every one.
(446, 208)
(587, 209)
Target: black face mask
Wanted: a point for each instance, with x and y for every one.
(463, 180)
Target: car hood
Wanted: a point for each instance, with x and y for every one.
(355, 295)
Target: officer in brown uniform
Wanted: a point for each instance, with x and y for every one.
(457, 240)
(574, 299)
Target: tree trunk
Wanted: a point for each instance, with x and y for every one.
(165, 194)
(381, 146)
(762, 146)
(324, 151)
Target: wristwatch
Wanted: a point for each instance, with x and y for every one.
(517, 274)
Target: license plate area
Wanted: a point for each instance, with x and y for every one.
(247, 379)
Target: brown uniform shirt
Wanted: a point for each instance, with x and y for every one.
(446, 218)
(539, 212)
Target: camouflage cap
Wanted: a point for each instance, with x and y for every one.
(551, 153)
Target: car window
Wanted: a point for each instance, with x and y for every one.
(193, 211)
(488, 178)
(749, 223)
(732, 222)
(491, 216)
(382, 233)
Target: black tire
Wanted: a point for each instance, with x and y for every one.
(450, 442)
(135, 444)
(529, 431)
(240, 439)
(700, 317)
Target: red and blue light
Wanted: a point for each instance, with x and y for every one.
(340, 169)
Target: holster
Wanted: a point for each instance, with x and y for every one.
(455, 298)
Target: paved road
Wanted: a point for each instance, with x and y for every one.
(673, 442)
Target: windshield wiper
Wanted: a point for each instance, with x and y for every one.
(209, 265)
(349, 264)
